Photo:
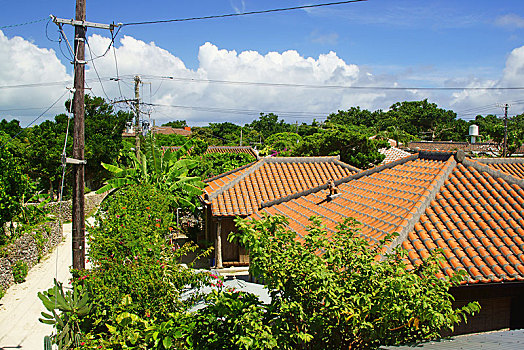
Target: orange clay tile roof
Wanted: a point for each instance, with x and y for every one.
(224, 149)
(511, 166)
(392, 154)
(474, 213)
(243, 190)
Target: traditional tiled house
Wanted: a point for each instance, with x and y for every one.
(470, 209)
(242, 191)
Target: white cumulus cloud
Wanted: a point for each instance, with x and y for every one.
(512, 76)
(244, 101)
(22, 62)
(179, 92)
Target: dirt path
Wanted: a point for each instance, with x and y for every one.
(20, 307)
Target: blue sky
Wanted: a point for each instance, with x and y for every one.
(377, 42)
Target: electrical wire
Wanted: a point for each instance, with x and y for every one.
(47, 33)
(117, 75)
(35, 120)
(302, 115)
(60, 220)
(111, 43)
(237, 82)
(96, 71)
(272, 84)
(243, 13)
(24, 24)
(24, 109)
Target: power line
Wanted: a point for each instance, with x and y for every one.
(23, 24)
(312, 86)
(117, 75)
(94, 67)
(301, 115)
(242, 13)
(35, 120)
(234, 82)
(24, 109)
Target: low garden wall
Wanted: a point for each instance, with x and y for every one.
(29, 248)
(92, 201)
(32, 246)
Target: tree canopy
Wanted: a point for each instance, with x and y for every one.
(329, 290)
(352, 143)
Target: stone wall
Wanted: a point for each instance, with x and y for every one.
(29, 248)
(92, 201)
(32, 246)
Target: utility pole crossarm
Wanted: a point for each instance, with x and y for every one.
(84, 23)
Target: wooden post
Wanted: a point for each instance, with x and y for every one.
(137, 117)
(218, 245)
(78, 225)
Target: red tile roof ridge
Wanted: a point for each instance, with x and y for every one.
(423, 203)
(500, 160)
(493, 172)
(340, 181)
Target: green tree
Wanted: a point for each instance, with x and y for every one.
(11, 128)
(13, 185)
(352, 143)
(492, 129)
(170, 140)
(103, 137)
(177, 124)
(280, 144)
(419, 118)
(45, 151)
(167, 171)
(213, 164)
(269, 124)
(355, 116)
(227, 132)
(331, 292)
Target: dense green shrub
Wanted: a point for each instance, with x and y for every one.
(232, 320)
(213, 164)
(20, 271)
(137, 280)
(331, 291)
(12, 186)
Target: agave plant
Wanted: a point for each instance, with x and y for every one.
(167, 170)
(67, 308)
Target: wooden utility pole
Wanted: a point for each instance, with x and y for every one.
(137, 117)
(78, 140)
(506, 106)
(78, 162)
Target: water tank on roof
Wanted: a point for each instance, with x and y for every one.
(473, 132)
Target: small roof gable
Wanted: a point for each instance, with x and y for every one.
(474, 213)
(243, 190)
